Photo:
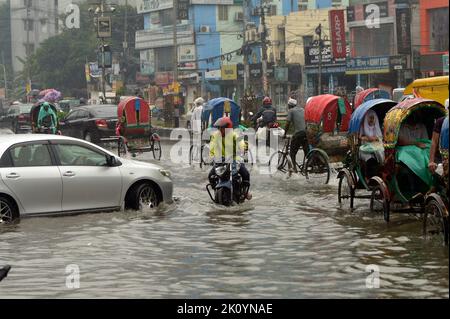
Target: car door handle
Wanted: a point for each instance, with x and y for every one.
(69, 174)
(13, 176)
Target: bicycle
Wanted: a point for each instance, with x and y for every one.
(315, 164)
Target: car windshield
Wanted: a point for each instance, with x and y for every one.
(25, 108)
(105, 111)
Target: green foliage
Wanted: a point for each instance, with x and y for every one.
(60, 61)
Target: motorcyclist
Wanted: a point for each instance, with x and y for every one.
(222, 142)
(267, 113)
(47, 117)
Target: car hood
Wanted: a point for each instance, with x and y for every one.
(126, 161)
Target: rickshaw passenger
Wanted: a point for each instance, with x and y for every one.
(371, 151)
(47, 117)
(412, 166)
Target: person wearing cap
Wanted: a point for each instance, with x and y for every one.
(296, 116)
(196, 118)
(434, 149)
(47, 117)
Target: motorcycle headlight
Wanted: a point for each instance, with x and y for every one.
(165, 173)
(221, 170)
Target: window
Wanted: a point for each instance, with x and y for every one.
(28, 25)
(374, 42)
(164, 59)
(29, 49)
(438, 29)
(26, 155)
(223, 13)
(166, 17)
(77, 155)
(307, 40)
(72, 115)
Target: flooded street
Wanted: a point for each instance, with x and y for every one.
(290, 241)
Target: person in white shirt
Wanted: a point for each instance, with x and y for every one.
(196, 118)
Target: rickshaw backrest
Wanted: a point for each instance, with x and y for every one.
(135, 112)
(220, 107)
(325, 108)
(370, 94)
(431, 110)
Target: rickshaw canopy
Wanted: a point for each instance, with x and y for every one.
(380, 106)
(134, 112)
(434, 88)
(326, 108)
(370, 94)
(444, 135)
(220, 107)
(398, 114)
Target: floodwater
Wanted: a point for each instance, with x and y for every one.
(290, 241)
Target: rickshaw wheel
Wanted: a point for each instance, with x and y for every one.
(434, 221)
(345, 192)
(379, 203)
(317, 167)
(282, 161)
(156, 149)
(204, 154)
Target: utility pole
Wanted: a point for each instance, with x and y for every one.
(319, 33)
(28, 84)
(102, 9)
(264, 49)
(244, 46)
(4, 74)
(125, 44)
(175, 44)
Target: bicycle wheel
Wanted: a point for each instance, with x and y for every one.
(194, 155)
(279, 162)
(156, 149)
(121, 147)
(317, 168)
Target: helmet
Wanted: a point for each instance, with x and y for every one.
(292, 102)
(199, 101)
(267, 101)
(224, 122)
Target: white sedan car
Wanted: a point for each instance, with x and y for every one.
(51, 174)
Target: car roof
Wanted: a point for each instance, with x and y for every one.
(7, 140)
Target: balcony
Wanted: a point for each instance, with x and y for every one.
(163, 37)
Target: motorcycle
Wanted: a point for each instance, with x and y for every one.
(227, 186)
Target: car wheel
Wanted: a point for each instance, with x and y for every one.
(143, 196)
(8, 211)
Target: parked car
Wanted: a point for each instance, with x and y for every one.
(54, 174)
(91, 123)
(17, 118)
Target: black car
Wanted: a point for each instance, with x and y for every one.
(91, 122)
(17, 118)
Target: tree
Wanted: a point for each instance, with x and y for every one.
(5, 44)
(60, 61)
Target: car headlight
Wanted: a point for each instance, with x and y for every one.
(165, 173)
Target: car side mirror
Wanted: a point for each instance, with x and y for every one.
(112, 161)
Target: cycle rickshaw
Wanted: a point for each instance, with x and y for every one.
(134, 130)
(436, 219)
(46, 126)
(369, 94)
(327, 117)
(352, 177)
(212, 111)
(402, 180)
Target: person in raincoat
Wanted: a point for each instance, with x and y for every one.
(47, 117)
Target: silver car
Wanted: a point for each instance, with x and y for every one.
(51, 174)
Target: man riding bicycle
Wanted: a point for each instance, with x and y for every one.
(296, 115)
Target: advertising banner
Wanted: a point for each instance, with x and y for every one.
(229, 72)
(368, 65)
(337, 33)
(403, 20)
